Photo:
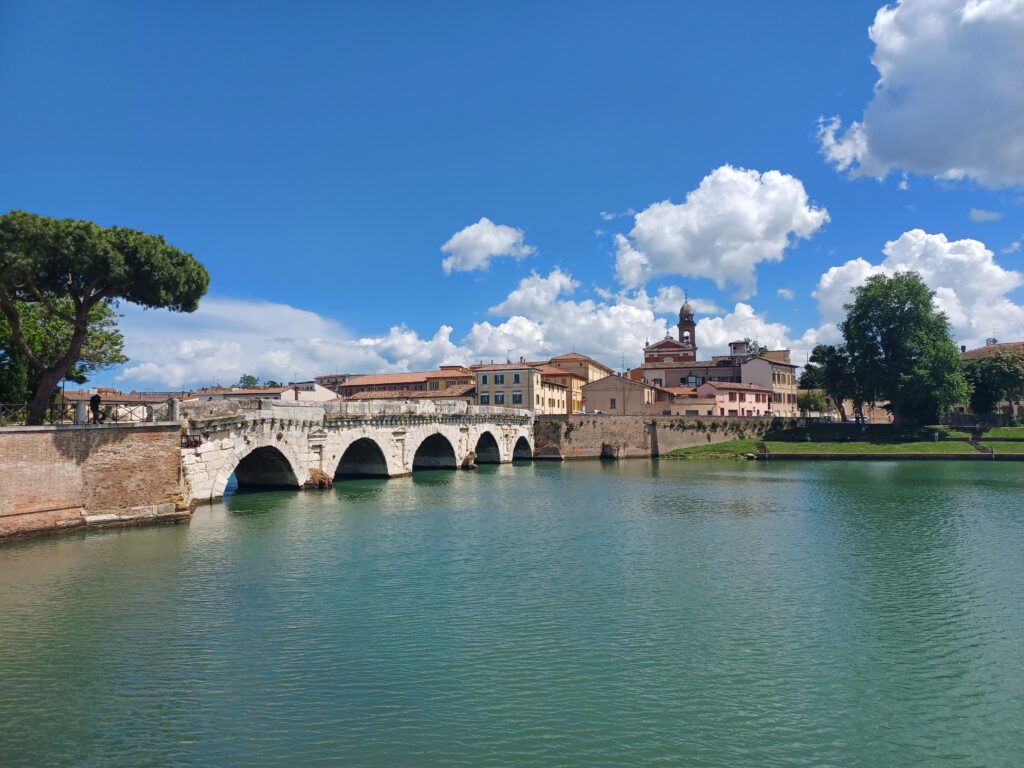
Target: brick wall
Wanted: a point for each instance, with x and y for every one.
(582, 436)
(52, 478)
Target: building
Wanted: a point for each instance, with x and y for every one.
(416, 381)
(466, 392)
(311, 391)
(244, 393)
(736, 399)
(672, 363)
(620, 396)
(519, 385)
(573, 382)
(587, 367)
(1015, 405)
(334, 380)
(623, 396)
(681, 350)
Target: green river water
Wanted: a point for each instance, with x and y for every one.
(578, 614)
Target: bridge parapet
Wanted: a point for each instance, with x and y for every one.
(284, 444)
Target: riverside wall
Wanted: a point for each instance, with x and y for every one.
(588, 436)
(54, 478)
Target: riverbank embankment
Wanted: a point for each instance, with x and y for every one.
(62, 477)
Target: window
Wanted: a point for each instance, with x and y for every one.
(538, 399)
(656, 382)
(483, 379)
(612, 406)
(485, 399)
(732, 397)
(517, 397)
(515, 378)
(499, 378)
(435, 385)
(499, 398)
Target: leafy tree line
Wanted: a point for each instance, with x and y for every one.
(898, 349)
(60, 280)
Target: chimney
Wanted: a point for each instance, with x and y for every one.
(991, 342)
(963, 348)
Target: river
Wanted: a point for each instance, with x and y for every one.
(577, 614)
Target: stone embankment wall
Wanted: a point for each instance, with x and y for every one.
(582, 436)
(73, 476)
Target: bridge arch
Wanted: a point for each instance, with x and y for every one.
(487, 449)
(262, 468)
(362, 458)
(523, 451)
(435, 452)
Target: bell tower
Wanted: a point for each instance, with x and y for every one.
(688, 331)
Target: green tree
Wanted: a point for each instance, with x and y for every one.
(811, 400)
(247, 380)
(900, 349)
(829, 369)
(993, 379)
(48, 337)
(44, 260)
(755, 348)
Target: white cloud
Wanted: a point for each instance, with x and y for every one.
(474, 246)
(225, 338)
(715, 333)
(970, 286)
(948, 101)
(786, 294)
(670, 298)
(1012, 247)
(732, 222)
(542, 321)
(980, 214)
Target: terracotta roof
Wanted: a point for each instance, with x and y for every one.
(623, 379)
(506, 367)
(123, 397)
(773, 362)
(990, 349)
(723, 363)
(449, 373)
(461, 390)
(386, 378)
(576, 356)
(681, 391)
(733, 385)
(553, 370)
(254, 391)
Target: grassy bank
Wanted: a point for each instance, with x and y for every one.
(851, 439)
(1015, 433)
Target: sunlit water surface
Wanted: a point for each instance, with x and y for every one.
(585, 614)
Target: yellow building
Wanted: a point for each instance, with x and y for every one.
(584, 366)
(573, 382)
(519, 385)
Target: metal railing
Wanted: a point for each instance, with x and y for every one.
(120, 412)
(15, 414)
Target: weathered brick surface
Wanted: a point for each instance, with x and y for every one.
(60, 477)
(581, 436)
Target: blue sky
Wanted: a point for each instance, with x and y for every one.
(316, 157)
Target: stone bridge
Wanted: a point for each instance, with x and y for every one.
(269, 444)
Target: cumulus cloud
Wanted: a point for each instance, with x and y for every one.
(669, 300)
(970, 286)
(733, 221)
(474, 246)
(948, 102)
(980, 215)
(786, 294)
(542, 320)
(225, 338)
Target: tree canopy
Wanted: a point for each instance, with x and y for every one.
(66, 268)
(993, 379)
(829, 369)
(900, 349)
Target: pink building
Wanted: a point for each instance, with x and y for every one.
(732, 399)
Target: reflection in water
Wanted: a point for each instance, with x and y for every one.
(577, 613)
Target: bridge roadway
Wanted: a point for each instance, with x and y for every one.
(272, 444)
